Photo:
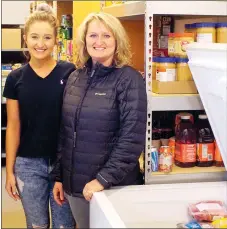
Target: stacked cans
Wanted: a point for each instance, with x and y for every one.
(161, 161)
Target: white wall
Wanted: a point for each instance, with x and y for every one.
(15, 12)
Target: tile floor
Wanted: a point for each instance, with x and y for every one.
(12, 211)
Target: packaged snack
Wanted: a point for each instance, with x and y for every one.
(208, 210)
(194, 224)
(220, 223)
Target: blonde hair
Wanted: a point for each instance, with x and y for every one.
(43, 13)
(122, 54)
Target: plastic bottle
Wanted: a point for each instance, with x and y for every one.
(218, 158)
(205, 142)
(185, 152)
(156, 138)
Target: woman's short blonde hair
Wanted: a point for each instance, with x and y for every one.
(122, 53)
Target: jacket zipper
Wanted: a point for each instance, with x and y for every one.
(76, 121)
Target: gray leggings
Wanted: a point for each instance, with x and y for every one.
(80, 210)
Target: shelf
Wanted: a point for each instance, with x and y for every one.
(138, 8)
(3, 128)
(174, 102)
(15, 50)
(178, 170)
(3, 155)
(186, 175)
(128, 9)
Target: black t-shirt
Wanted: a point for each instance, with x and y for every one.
(40, 102)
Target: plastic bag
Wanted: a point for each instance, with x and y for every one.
(220, 223)
(208, 210)
(194, 224)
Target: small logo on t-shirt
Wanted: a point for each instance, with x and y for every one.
(61, 82)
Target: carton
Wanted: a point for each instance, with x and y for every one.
(11, 38)
(174, 87)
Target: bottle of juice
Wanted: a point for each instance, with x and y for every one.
(218, 158)
(185, 151)
(205, 143)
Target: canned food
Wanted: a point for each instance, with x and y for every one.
(154, 159)
(165, 159)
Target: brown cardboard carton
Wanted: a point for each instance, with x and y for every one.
(11, 38)
(174, 87)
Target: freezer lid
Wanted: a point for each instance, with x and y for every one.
(208, 64)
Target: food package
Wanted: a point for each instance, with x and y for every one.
(220, 223)
(208, 210)
(194, 224)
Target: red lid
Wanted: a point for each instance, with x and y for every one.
(184, 35)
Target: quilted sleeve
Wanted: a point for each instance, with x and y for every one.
(132, 101)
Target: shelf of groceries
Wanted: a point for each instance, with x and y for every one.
(171, 83)
(193, 155)
(183, 149)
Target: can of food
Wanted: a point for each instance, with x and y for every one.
(154, 159)
(165, 159)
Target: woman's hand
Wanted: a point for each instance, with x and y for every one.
(58, 193)
(90, 188)
(11, 187)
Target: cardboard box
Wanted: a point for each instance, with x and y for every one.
(11, 38)
(174, 87)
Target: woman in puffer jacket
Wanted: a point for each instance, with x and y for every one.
(103, 117)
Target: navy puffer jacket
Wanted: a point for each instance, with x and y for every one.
(103, 128)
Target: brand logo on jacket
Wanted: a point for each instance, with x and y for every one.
(97, 93)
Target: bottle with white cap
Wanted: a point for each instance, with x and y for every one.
(205, 142)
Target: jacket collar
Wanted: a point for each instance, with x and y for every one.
(99, 69)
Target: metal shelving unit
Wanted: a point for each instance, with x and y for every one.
(139, 10)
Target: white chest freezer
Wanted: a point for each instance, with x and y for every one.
(166, 205)
(151, 206)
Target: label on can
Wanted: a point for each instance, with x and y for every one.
(165, 159)
(154, 160)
